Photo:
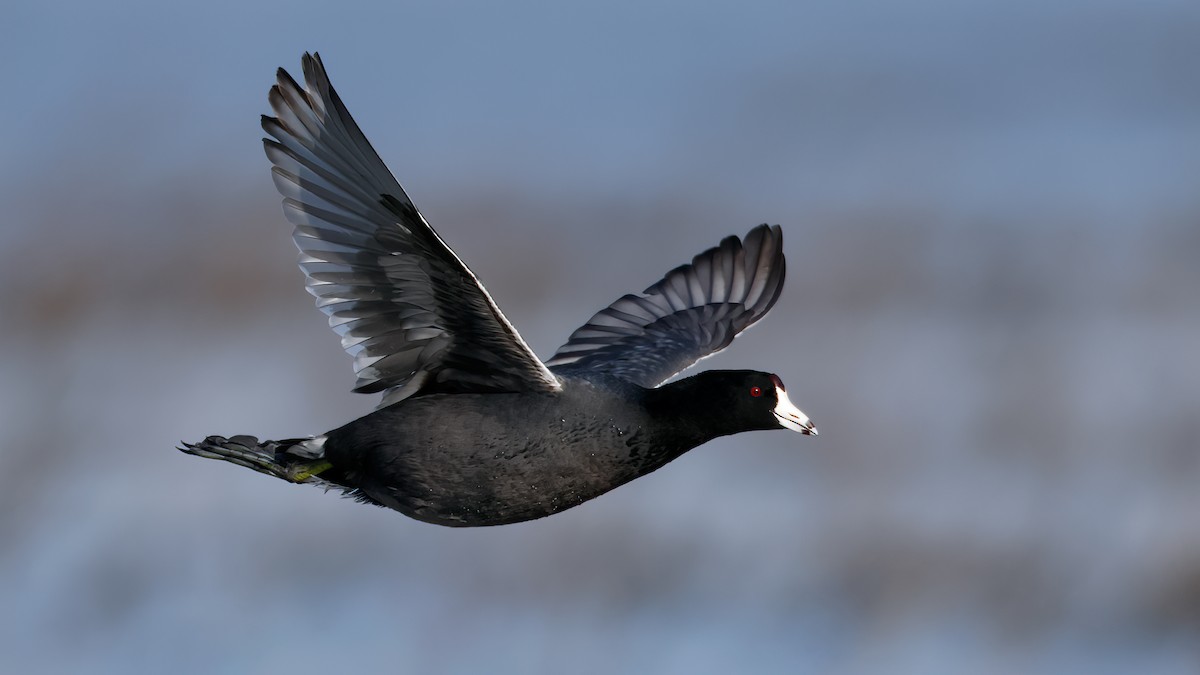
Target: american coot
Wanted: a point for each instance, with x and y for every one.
(473, 428)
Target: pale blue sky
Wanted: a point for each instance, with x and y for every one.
(1066, 100)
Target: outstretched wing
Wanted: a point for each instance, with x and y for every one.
(694, 311)
(410, 312)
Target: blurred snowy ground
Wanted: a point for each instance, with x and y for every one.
(993, 231)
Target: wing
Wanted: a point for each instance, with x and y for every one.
(412, 315)
(694, 311)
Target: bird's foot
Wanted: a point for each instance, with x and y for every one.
(302, 471)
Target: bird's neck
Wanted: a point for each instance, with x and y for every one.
(691, 412)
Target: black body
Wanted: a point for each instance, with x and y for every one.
(490, 459)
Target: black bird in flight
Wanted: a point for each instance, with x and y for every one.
(473, 429)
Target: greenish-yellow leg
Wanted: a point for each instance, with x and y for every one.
(298, 473)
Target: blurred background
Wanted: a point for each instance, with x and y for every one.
(993, 230)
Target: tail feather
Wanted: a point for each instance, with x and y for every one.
(296, 460)
(269, 457)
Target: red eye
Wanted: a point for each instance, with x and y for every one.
(756, 391)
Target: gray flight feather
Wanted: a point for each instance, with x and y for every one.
(694, 311)
(409, 311)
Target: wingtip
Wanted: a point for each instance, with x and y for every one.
(765, 230)
(308, 59)
(313, 67)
